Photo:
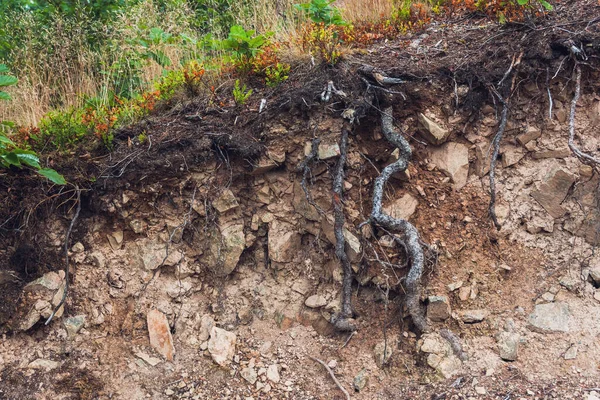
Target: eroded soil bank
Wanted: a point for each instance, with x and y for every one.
(201, 269)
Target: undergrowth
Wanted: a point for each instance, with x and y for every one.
(88, 70)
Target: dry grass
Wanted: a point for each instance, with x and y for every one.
(365, 10)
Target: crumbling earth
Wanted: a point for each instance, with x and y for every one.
(203, 265)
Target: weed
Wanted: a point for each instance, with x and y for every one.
(321, 12)
(325, 41)
(241, 94)
(276, 74)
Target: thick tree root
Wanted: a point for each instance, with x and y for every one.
(378, 217)
(343, 320)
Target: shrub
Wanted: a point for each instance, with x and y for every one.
(321, 12)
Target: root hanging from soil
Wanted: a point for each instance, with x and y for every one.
(411, 234)
(343, 320)
(516, 60)
(494, 159)
(583, 157)
(67, 237)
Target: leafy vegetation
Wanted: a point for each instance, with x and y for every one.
(118, 58)
(10, 154)
(322, 12)
(241, 94)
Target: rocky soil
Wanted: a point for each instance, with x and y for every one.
(218, 280)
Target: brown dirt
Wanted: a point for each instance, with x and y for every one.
(262, 301)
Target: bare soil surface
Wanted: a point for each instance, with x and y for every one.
(207, 222)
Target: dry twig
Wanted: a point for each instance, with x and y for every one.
(339, 385)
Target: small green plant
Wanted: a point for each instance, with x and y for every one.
(321, 11)
(241, 94)
(11, 154)
(544, 3)
(276, 74)
(244, 43)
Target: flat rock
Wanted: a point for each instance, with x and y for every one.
(221, 345)
(46, 365)
(225, 202)
(552, 192)
(152, 361)
(50, 281)
(250, 375)
(271, 160)
(508, 345)
(402, 208)
(432, 131)
(152, 254)
(273, 373)
(353, 246)
(206, 324)
(327, 151)
(302, 206)
(360, 380)
(226, 246)
(530, 134)
(594, 275)
(511, 155)
(571, 353)
(160, 334)
(74, 324)
(550, 317)
(315, 301)
(557, 153)
(453, 160)
(438, 308)
(482, 158)
(473, 316)
(284, 241)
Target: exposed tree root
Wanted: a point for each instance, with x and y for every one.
(380, 76)
(584, 157)
(454, 343)
(339, 385)
(67, 237)
(516, 60)
(343, 320)
(496, 150)
(378, 217)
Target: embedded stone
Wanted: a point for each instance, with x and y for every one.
(160, 334)
(432, 131)
(453, 160)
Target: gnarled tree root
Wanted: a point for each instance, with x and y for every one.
(378, 217)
